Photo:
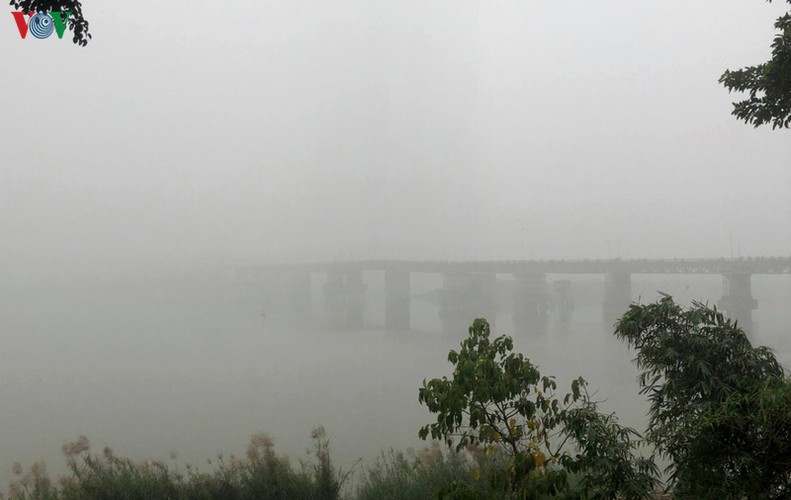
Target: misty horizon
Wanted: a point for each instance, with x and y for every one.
(439, 131)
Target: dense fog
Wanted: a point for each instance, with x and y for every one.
(149, 180)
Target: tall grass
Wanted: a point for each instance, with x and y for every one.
(260, 474)
(434, 472)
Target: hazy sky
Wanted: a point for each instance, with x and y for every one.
(189, 133)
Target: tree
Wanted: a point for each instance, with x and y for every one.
(720, 408)
(77, 22)
(499, 399)
(768, 84)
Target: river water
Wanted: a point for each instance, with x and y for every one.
(154, 367)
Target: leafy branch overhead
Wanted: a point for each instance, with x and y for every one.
(77, 22)
(768, 85)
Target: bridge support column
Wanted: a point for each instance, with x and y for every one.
(737, 299)
(562, 302)
(300, 300)
(335, 300)
(344, 299)
(465, 297)
(531, 303)
(617, 296)
(355, 299)
(397, 300)
(267, 289)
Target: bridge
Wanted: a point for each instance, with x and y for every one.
(470, 289)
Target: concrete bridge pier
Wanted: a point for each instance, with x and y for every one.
(737, 299)
(531, 303)
(562, 302)
(335, 300)
(300, 300)
(355, 299)
(617, 296)
(464, 297)
(344, 299)
(397, 300)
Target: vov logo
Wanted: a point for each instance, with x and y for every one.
(41, 24)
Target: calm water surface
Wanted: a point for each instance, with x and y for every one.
(149, 370)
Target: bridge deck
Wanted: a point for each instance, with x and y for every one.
(758, 265)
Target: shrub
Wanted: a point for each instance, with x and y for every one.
(499, 399)
(720, 408)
